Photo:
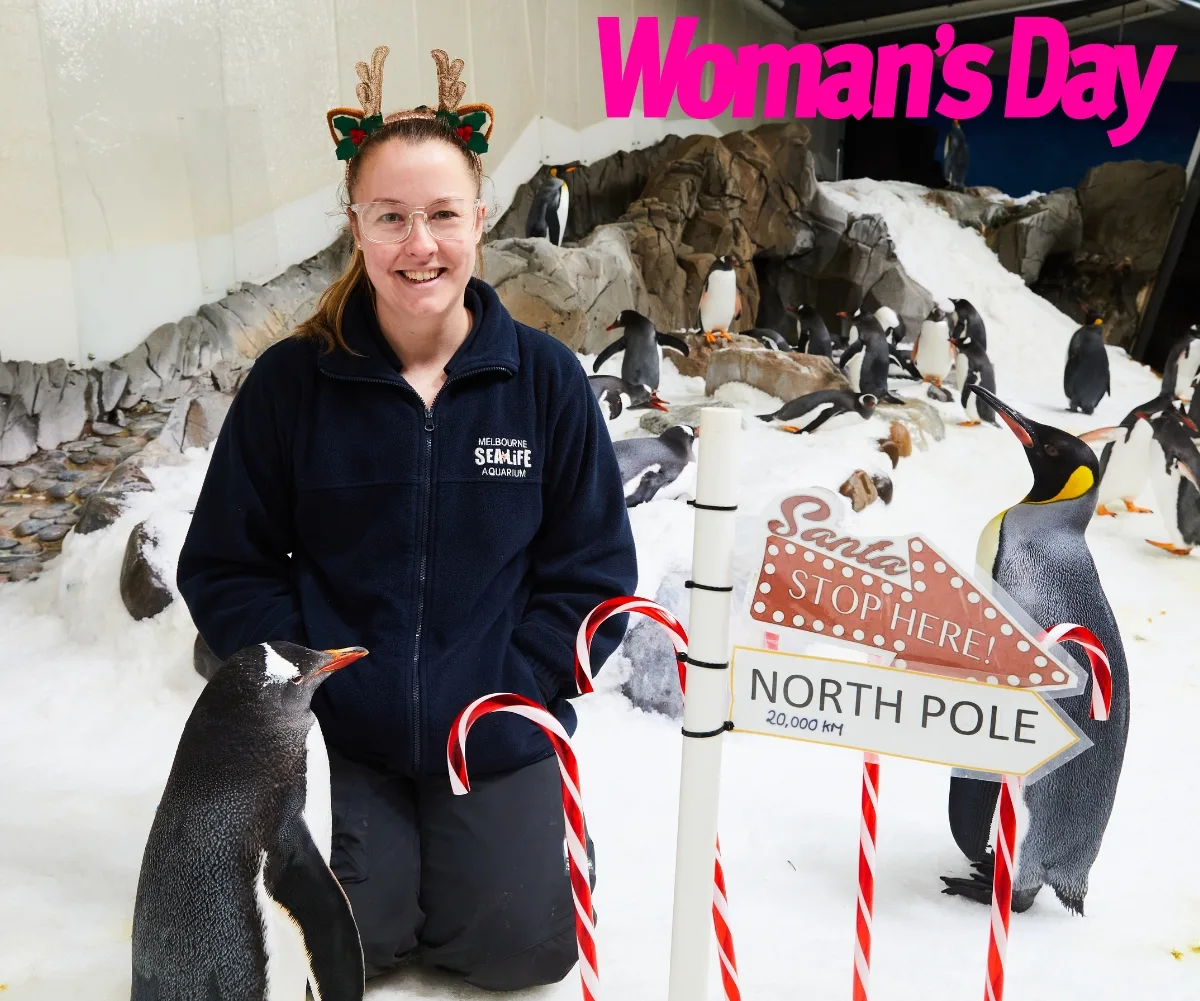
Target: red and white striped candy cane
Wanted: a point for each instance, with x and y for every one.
(581, 888)
(583, 678)
(866, 876)
(1002, 887)
(1101, 672)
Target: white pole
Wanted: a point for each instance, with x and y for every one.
(706, 707)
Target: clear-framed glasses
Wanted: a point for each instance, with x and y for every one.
(447, 220)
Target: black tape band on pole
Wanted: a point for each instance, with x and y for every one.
(727, 725)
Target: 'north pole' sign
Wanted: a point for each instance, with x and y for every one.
(899, 596)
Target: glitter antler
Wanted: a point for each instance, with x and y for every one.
(370, 90)
(450, 87)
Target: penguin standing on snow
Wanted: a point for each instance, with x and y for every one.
(973, 367)
(649, 464)
(1175, 475)
(1125, 460)
(933, 354)
(551, 203)
(642, 344)
(876, 350)
(615, 395)
(809, 412)
(1037, 553)
(234, 899)
(812, 335)
(720, 301)
(968, 325)
(1086, 378)
(955, 157)
(1183, 364)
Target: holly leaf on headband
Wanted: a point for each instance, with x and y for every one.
(353, 131)
(344, 123)
(346, 149)
(476, 119)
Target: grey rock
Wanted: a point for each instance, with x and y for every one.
(653, 683)
(5, 476)
(141, 380)
(113, 383)
(785, 376)
(1037, 230)
(23, 476)
(23, 570)
(18, 430)
(103, 452)
(63, 411)
(163, 408)
(42, 484)
(142, 589)
(30, 526)
(7, 543)
(98, 512)
(54, 455)
(204, 660)
(125, 451)
(71, 475)
(51, 511)
(67, 519)
(918, 416)
(104, 428)
(28, 548)
(53, 533)
(76, 446)
(87, 490)
(80, 458)
(939, 393)
(126, 478)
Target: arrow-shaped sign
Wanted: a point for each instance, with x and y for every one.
(899, 596)
(949, 721)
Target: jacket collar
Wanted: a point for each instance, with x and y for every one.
(492, 342)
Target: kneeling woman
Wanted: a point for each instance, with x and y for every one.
(415, 472)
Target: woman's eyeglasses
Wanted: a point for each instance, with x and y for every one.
(448, 220)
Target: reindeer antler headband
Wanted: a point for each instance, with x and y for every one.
(349, 127)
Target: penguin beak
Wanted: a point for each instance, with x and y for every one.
(657, 403)
(843, 314)
(340, 658)
(1104, 434)
(1017, 424)
(614, 325)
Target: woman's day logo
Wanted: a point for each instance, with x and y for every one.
(901, 597)
(1090, 92)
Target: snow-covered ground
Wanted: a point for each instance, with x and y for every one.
(91, 706)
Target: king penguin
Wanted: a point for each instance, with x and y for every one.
(551, 203)
(720, 301)
(1037, 553)
(1183, 364)
(642, 343)
(234, 899)
(1086, 378)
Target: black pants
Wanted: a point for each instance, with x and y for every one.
(474, 884)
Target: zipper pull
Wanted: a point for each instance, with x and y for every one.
(429, 418)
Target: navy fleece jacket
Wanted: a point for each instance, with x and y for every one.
(462, 544)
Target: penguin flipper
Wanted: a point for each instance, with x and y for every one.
(552, 228)
(671, 341)
(851, 351)
(608, 352)
(651, 483)
(298, 879)
(737, 305)
(972, 805)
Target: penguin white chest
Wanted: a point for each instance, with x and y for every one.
(855, 364)
(719, 301)
(1189, 366)
(934, 355)
(962, 366)
(318, 812)
(1166, 492)
(1128, 470)
(283, 945)
(564, 202)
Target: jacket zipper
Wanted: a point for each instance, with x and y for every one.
(427, 479)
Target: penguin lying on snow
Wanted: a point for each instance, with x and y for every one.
(615, 395)
(642, 344)
(1125, 460)
(1036, 551)
(872, 343)
(1175, 475)
(551, 203)
(1086, 378)
(234, 899)
(770, 339)
(1183, 364)
(809, 412)
(972, 367)
(812, 335)
(649, 464)
(720, 301)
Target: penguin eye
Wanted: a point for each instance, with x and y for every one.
(1052, 451)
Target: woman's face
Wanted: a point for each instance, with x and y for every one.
(420, 276)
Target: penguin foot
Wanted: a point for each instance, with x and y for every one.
(1171, 548)
(1132, 508)
(1105, 512)
(791, 429)
(978, 886)
(969, 424)
(726, 334)
(710, 337)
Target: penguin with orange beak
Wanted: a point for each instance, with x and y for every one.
(1037, 553)
(235, 899)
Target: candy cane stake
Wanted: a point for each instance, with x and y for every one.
(581, 888)
(866, 876)
(1101, 672)
(1002, 884)
(583, 677)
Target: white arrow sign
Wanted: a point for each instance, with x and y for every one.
(948, 721)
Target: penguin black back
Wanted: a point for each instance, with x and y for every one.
(877, 358)
(968, 326)
(230, 828)
(814, 336)
(1086, 375)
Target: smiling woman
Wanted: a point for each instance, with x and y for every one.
(416, 473)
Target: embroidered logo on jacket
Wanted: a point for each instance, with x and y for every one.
(504, 457)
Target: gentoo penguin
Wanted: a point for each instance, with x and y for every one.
(615, 395)
(649, 464)
(234, 899)
(642, 344)
(1175, 475)
(809, 412)
(548, 213)
(968, 325)
(812, 334)
(1125, 460)
(720, 302)
(770, 339)
(1037, 553)
(1085, 377)
(973, 367)
(1183, 364)
(933, 354)
(896, 330)
(955, 157)
(869, 340)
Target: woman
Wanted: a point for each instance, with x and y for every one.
(417, 473)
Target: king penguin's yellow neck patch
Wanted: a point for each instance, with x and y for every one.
(1078, 484)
